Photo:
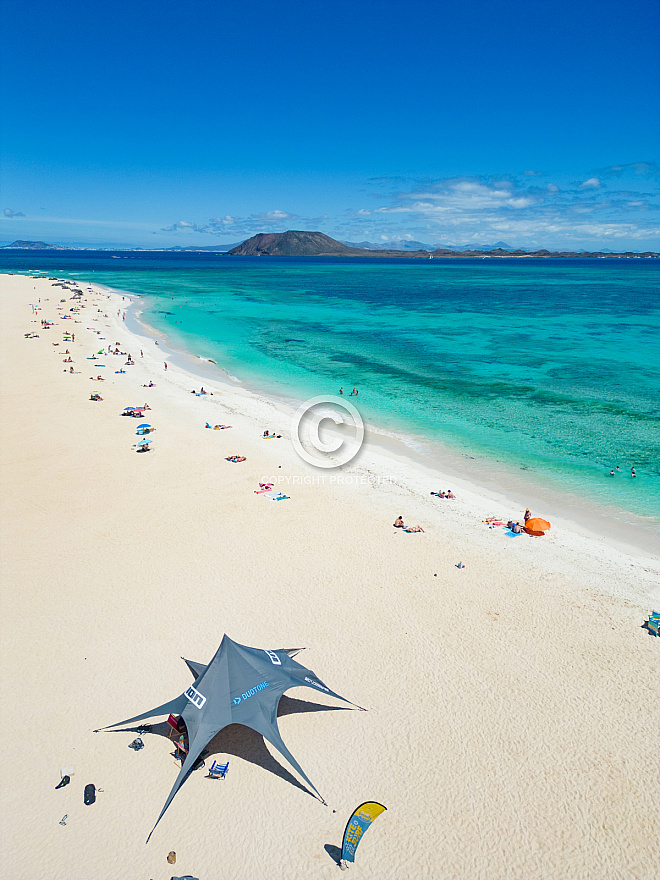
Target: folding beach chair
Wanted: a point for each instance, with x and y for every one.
(218, 771)
(653, 623)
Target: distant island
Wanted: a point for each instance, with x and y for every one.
(33, 246)
(296, 243)
(299, 243)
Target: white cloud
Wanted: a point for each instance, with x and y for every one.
(12, 214)
(275, 216)
(592, 183)
(182, 225)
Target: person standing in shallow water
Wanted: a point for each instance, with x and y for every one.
(632, 472)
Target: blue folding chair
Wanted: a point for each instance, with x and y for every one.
(653, 623)
(218, 771)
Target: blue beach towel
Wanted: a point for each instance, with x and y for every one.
(511, 534)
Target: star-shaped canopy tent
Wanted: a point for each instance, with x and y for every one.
(240, 685)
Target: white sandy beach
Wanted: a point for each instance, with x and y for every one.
(513, 717)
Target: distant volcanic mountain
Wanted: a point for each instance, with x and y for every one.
(34, 246)
(294, 243)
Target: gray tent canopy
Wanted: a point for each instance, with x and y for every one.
(240, 685)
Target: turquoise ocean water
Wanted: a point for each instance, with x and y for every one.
(549, 367)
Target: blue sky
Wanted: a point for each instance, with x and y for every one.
(160, 124)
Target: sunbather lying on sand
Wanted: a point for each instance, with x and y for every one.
(399, 524)
(235, 458)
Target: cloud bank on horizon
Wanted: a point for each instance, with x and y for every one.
(617, 207)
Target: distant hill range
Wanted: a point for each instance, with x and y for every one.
(297, 243)
(315, 244)
(209, 248)
(401, 244)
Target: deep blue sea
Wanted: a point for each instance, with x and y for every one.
(552, 367)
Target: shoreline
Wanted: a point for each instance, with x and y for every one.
(517, 694)
(628, 531)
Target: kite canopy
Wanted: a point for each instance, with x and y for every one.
(240, 685)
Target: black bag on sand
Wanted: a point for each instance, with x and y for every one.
(90, 793)
(65, 780)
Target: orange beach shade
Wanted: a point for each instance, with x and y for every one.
(537, 525)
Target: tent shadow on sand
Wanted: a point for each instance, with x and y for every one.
(243, 742)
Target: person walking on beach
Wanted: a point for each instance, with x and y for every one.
(528, 515)
(166, 365)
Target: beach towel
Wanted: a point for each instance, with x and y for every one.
(511, 534)
(280, 498)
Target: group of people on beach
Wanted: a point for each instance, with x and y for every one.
(354, 392)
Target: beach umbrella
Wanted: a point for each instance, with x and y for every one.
(144, 442)
(537, 525)
(143, 425)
